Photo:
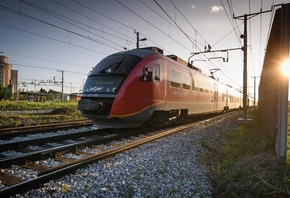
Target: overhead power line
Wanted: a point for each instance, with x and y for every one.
(45, 68)
(233, 23)
(58, 27)
(54, 39)
(46, 60)
(152, 25)
(69, 19)
(174, 22)
(103, 25)
(189, 23)
(117, 21)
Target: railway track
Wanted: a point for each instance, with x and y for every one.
(85, 151)
(8, 133)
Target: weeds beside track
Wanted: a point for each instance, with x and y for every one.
(244, 164)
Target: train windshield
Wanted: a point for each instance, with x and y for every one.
(116, 64)
(102, 84)
(108, 75)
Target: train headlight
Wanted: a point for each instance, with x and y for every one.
(110, 89)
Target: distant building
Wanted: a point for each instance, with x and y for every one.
(8, 77)
(14, 80)
(5, 71)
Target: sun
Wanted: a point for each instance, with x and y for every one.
(286, 68)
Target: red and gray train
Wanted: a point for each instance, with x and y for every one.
(143, 86)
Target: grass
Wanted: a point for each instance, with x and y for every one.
(24, 105)
(243, 164)
(288, 137)
(60, 112)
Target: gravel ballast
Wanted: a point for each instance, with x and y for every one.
(168, 167)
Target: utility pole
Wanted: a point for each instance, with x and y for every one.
(245, 73)
(71, 87)
(62, 95)
(255, 89)
(138, 39)
(245, 76)
(137, 44)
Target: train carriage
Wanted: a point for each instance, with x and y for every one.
(130, 88)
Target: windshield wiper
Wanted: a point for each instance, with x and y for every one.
(119, 64)
(112, 67)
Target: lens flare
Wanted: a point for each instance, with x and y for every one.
(286, 68)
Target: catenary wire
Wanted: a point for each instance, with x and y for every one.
(152, 25)
(55, 26)
(68, 19)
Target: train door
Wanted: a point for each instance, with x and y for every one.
(158, 84)
(215, 97)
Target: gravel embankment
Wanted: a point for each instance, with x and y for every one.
(168, 167)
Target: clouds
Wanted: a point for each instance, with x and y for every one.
(192, 6)
(213, 9)
(216, 9)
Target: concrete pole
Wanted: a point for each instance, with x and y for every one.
(137, 45)
(281, 144)
(62, 96)
(245, 69)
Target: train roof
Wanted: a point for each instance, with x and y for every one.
(142, 52)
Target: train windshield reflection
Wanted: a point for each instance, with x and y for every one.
(116, 64)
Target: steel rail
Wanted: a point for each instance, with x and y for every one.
(42, 125)
(42, 141)
(12, 135)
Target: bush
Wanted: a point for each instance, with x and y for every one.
(65, 111)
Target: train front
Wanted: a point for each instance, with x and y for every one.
(106, 94)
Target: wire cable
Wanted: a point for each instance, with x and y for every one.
(54, 39)
(152, 24)
(189, 23)
(68, 19)
(174, 21)
(55, 26)
(74, 10)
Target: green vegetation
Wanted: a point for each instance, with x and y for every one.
(20, 114)
(288, 137)
(243, 164)
(24, 105)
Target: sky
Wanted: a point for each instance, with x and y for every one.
(43, 38)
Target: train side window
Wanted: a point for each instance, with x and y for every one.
(175, 78)
(201, 87)
(207, 88)
(156, 70)
(231, 99)
(194, 85)
(185, 81)
(223, 97)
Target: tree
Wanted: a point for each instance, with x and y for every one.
(42, 90)
(54, 94)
